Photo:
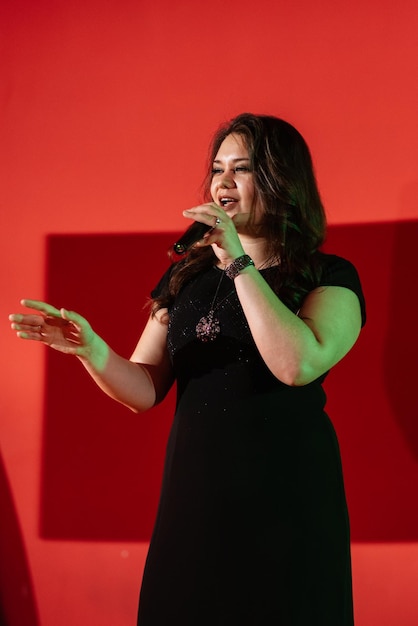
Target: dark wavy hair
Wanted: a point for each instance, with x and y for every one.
(294, 222)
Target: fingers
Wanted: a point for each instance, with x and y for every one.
(212, 215)
(72, 316)
(29, 325)
(209, 214)
(44, 307)
(38, 327)
(29, 320)
(47, 313)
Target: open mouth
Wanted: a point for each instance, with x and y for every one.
(226, 201)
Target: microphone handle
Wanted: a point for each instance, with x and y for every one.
(194, 233)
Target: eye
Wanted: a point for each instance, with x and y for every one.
(242, 168)
(216, 170)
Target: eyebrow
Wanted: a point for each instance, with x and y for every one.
(233, 160)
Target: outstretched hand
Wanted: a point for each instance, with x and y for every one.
(63, 330)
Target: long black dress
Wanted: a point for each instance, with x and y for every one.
(252, 527)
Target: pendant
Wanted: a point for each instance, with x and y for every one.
(208, 328)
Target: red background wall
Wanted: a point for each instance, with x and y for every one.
(107, 109)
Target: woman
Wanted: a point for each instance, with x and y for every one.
(252, 527)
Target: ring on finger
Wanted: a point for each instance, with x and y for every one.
(217, 221)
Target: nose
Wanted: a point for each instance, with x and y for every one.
(226, 180)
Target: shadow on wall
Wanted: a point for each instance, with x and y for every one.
(373, 401)
(401, 346)
(102, 464)
(17, 601)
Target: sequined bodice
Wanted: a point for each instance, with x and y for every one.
(232, 356)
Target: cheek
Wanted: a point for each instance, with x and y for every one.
(212, 190)
(249, 192)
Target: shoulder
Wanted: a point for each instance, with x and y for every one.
(339, 272)
(163, 284)
(336, 268)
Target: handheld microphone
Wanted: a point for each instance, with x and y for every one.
(194, 233)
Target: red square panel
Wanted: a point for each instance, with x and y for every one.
(102, 464)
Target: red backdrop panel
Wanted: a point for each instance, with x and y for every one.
(102, 464)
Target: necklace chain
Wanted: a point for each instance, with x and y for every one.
(208, 328)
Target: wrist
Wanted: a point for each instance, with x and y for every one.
(238, 265)
(95, 354)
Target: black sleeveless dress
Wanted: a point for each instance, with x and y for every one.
(252, 527)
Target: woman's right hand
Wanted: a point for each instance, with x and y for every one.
(137, 383)
(65, 331)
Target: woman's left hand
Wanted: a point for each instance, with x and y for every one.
(223, 235)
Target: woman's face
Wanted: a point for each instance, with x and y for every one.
(232, 185)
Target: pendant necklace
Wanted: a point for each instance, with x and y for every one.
(208, 328)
